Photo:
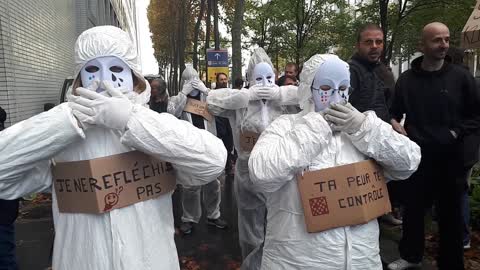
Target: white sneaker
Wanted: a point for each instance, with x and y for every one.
(467, 245)
(402, 264)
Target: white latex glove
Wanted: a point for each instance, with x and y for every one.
(252, 94)
(71, 98)
(344, 118)
(267, 92)
(200, 86)
(96, 109)
(187, 88)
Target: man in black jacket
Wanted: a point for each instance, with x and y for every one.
(442, 107)
(373, 84)
(8, 214)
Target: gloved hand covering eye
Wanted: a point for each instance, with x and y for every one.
(199, 85)
(344, 118)
(96, 109)
(267, 92)
(187, 88)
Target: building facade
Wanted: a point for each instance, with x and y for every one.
(37, 38)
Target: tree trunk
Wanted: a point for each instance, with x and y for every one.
(175, 65)
(216, 34)
(182, 36)
(237, 40)
(207, 37)
(196, 34)
(383, 9)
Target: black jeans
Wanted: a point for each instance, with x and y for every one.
(437, 181)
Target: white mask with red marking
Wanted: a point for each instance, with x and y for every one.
(331, 84)
(107, 68)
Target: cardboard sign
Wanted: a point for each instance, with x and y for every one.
(344, 195)
(248, 140)
(103, 184)
(199, 108)
(471, 31)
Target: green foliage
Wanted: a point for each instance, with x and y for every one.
(475, 197)
(406, 18)
(294, 30)
(475, 207)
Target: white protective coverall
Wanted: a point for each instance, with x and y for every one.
(139, 236)
(247, 112)
(293, 143)
(191, 195)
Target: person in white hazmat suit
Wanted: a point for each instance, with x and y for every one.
(191, 195)
(251, 110)
(327, 133)
(104, 121)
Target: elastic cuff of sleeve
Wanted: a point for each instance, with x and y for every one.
(76, 124)
(367, 123)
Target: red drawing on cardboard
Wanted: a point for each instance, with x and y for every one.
(319, 206)
(112, 198)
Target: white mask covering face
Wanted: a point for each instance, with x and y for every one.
(331, 84)
(263, 74)
(108, 68)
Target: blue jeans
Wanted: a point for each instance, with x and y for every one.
(7, 247)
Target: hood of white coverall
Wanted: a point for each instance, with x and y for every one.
(189, 74)
(258, 56)
(305, 99)
(102, 41)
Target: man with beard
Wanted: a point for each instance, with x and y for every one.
(369, 89)
(159, 97)
(221, 80)
(442, 107)
(373, 85)
(224, 130)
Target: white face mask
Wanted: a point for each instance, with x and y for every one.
(331, 84)
(263, 75)
(108, 68)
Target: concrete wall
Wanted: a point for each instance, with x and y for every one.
(37, 38)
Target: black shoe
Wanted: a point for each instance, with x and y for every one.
(219, 223)
(186, 227)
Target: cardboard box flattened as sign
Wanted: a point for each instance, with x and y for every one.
(103, 184)
(471, 31)
(342, 196)
(248, 140)
(199, 108)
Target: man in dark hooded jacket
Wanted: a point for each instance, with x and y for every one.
(373, 84)
(370, 79)
(442, 107)
(8, 214)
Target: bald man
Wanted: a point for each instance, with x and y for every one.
(442, 107)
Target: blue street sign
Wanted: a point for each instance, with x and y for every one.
(217, 58)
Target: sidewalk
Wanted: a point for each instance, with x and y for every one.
(206, 248)
(389, 239)
(34, 236)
